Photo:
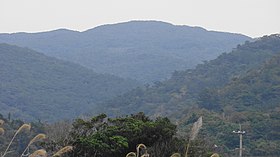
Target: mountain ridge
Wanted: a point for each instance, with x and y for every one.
(184, 87)
(144, 50)
(34, 86)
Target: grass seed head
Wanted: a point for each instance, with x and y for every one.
(2, 122)
(2, 131)
(176, 155)
(39, 153)
(63, 150)
(37, 138)
(131, 154)
(26, 127)
(195, 129)
(215, 155)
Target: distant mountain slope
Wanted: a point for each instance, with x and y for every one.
(252, 100)
(185, 87)
(258, 90)
(241, 87)
(34, 86)
(144, 50)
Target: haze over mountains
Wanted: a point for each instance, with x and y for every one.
(185, 87)
(240, 87)
(147, 51)
(34, 86)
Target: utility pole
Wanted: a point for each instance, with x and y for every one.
(240, 133)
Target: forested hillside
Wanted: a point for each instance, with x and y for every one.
(241, 87)
(147, 51)
(184, 87)
(253, 101)
(34, 86)
(258, 90)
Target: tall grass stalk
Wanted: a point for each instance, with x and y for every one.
(36, 138)
(40, 152)
(176, 155)
(2, 131)
(195, 129)
(137, 154)
(1, 122)
(215, 155)
(23, 127)
(138, 150)
(63, 150)
(131, 154)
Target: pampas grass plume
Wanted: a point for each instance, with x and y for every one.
(63, 150)
(131, 154)
(37, 138)
(40, 152)
(215, 155)
(23, 127)
(2, 131)
(1, 122)
(176, 155)
(141, 146)
(195, 129)
(26, 127)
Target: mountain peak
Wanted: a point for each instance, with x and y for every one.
(147, 51)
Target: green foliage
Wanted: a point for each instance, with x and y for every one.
(258, 90)
(34, 86)
(198, 86)
(207, 99)
(239, 87)
(102, 136)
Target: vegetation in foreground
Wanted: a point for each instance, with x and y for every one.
(240, 87)
(101, 136)
(12, 149)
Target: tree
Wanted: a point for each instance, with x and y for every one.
(102, 136)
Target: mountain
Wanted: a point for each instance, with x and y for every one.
(147, 51)
(184, 88)
(34, 86)
(252, 101)
(240, 87)
(258, 90)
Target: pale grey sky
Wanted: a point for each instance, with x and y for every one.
(250, 17)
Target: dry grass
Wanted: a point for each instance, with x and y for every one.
(195, 129)
(39, 153)
(215, 155)
(35, 139)
(1, 122)
(131, 154)
(2, 131)
(137, 154)
(63, 151)
(20, 129)
(176, 155)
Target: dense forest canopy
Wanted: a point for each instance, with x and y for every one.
(185, 87)
(241, 87)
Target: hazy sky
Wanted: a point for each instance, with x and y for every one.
(250, 17)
